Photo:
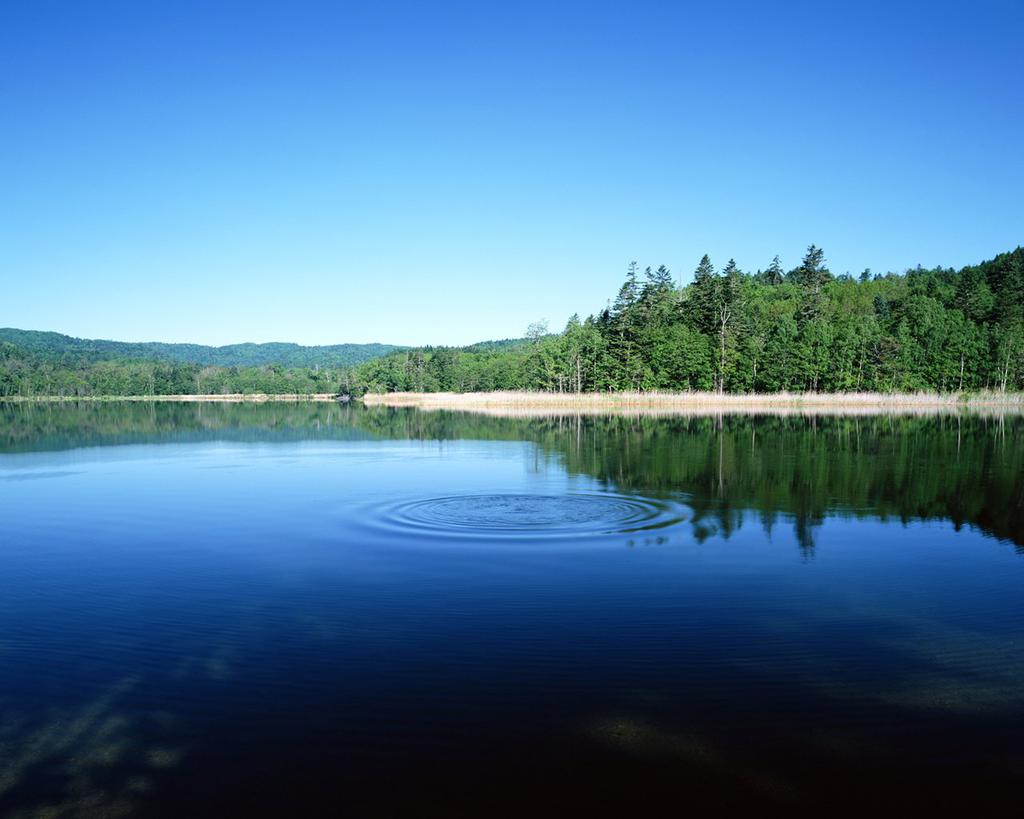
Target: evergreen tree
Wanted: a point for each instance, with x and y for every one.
(812, 276)
(625, 322)
(973, 295)
(702, 301)
(812, 273)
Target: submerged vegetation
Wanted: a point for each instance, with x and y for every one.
(728, 331)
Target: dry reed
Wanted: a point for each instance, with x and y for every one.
(698, 403)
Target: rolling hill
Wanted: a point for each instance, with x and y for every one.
(70, 350)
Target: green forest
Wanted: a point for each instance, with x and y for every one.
(728, 330)
(76, 350)
(799, 330)
(36, 363)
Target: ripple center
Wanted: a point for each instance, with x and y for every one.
(506, 515)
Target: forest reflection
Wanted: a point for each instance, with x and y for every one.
(794, 469)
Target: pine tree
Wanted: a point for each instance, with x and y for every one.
(624, 324)
(973, 295)
(628, 293)
(812, 273)
(703, 297)
(660, 280)
(705, 269)
(812, 276)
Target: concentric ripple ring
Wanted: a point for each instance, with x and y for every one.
(533, 515)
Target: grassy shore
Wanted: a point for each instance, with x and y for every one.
(256, 397)
(647, 403)
(536, 403)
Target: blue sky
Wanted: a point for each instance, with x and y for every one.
(445, 173)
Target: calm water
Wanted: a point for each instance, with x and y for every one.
(221, 610)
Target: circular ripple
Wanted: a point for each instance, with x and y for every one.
(514, 515)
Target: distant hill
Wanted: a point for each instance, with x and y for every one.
(497, 345)
(69, 350)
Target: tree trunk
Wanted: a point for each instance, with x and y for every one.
(721, 359)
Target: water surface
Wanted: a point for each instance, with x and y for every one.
(281, 609)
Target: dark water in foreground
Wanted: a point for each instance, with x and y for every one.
(299, 609)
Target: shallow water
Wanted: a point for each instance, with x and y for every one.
(277, 609)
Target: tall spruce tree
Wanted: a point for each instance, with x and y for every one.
(702, 301)
(812, 276)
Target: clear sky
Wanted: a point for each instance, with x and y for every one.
(446, 173)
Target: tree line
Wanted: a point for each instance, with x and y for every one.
(25, 374)
(728, 330)
(71, 350)
(771, 330)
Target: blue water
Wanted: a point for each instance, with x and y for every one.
(245, 614)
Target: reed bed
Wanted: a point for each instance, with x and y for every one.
(528, 404)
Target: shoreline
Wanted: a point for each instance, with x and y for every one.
(534, 404)
(697, 403)
(228, 398)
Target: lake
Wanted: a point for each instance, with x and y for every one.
(298, 609)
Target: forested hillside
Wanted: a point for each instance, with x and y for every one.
(64, 349)
(26, 374)
(797, 330)
(37, 363)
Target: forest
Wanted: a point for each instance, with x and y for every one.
(728, 330)
(772, 330)
(71, 350)
(26, 374)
